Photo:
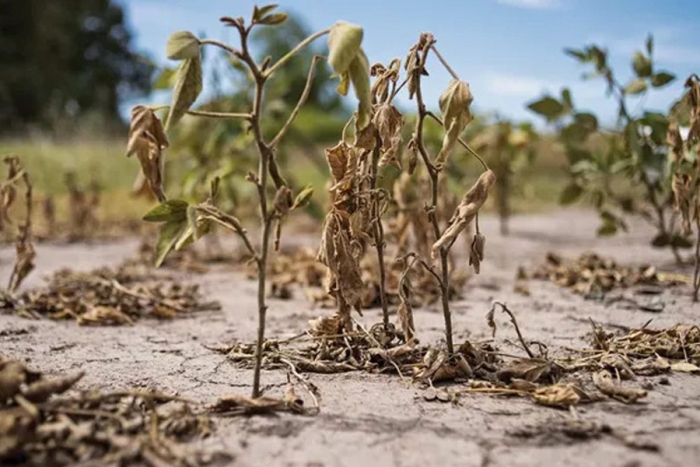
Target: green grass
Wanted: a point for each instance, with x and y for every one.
(104, 161)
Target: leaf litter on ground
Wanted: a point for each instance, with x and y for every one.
(108, 296)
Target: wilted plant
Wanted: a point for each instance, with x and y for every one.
(686, 169)
(634, 150)
(24, 247)
(184, 222)
(355, 219)
(508, 146)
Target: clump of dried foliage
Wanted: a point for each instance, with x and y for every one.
(108, 296)
(594, 276)
(41, 426)
(359, 201)
(577, 376)
(686, 171)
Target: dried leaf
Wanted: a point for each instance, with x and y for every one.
(476, 252)
(557, 395)
(389, 122)
(147, 139)
(41, 390)
(533, 370)
(104, 315)
(466, 211)
(604, 382)
(685, 367)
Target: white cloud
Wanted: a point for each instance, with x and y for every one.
(532, 4)
(516, 85)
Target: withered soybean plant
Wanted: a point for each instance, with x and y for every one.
(354, 220)
(185, 223)
(685, 181)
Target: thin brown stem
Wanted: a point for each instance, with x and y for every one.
(230, 222)
(378, 229)
(295, 50)
(515, 325)
(696, 275)
(300, 103)
(433, 172)
(444, 63)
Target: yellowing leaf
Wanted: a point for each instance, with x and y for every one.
(182, 45)
(359, 76)
(344, 43)
(454, 105)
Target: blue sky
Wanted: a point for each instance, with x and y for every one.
(510, 51)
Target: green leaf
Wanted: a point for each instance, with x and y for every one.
(273, 19)
(661, 241)
(577, 54)
(599, 57)
(650, 45)
(661, 79)
(169, 235)
(182, 45)
(570, 194)
(165, 80)
(548, 107)
(187, 88)
(679, 241)
(636, 86)
(302, 199)
(641, 65)
(258, 13)
(344, 42)
(171, 210)
(566, 100)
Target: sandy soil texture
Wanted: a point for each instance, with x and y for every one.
(368, 420)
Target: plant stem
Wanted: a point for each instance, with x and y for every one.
(304, 95)
(444, 283)
(294, 51)
(265, 156)
(378, 230)
(696, 275)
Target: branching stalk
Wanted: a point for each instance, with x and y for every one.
(378, 230)
(295, 50)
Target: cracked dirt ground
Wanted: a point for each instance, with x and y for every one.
(380, 420)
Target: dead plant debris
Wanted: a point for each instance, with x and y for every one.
(593, 276)
(93, 428)
(608, 370)
(108, 296)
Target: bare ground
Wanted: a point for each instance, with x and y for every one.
(380, 420)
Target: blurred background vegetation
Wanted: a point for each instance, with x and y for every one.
(69, 65)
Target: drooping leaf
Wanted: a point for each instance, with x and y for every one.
(170, 210)
(182, 45)
(186, 91)
(170, 233)
(344, 42)
(566, 100)
(359, 76)
(650, 44)
(455, 104)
